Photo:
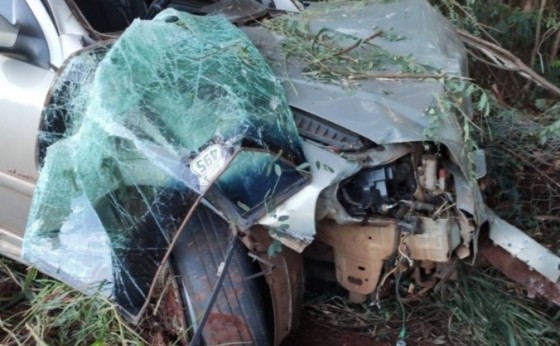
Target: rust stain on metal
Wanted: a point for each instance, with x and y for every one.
(224, 328)
(286, 282)
(519, 272)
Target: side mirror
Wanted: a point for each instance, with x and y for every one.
(8, 33)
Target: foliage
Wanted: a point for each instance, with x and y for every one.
(42, 311)
(550, 115)
(529, 29)
(495, 314)
(35, 309)
(456, 100)
(523, 158)
(481, 308)
(521, 131)
(335, 57)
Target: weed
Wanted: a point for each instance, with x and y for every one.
(35, 309)
(335, 57)
(491, 310)
(481, 308)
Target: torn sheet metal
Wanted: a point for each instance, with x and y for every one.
(294, 220)
(135, 134)
(288, 5)
(237, 11)
(518, 271)
(469, 198)
(520, 245)
(284, 273)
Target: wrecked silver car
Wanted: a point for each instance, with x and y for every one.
(236, 152)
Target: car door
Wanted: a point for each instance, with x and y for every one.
(25, 77)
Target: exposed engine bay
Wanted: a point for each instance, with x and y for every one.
(401, 216)
(391, 210)
(392, 217)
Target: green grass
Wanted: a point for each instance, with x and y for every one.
(495, 312)
(38, 310)
(35, 309)
(481, 308)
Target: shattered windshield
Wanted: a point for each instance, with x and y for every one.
(136, 131)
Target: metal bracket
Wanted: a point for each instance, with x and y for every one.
(268, 270)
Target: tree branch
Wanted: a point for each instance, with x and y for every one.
(537, 34)
(555, 47)
(359, 42)
(395, 75)
(508, 60)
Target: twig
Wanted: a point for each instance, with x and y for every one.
(550, 218)
(511, 61)
(162, 296)
(38, 340)
(169, 251)
(555, 47)
(491, 64)
(358, 43)
(11, 275)
(475, 20)
(121, 323)
(549, 33)
(396, 75)
(537, 34)
(528, 163)
(12, 335)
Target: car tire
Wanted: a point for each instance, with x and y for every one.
(242, 312)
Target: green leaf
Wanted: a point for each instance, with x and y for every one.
(269, 206)
(274, 248)
(483, 104)
(277, 170)
(470, 90)
(318, 165)
(243, 206)
(269, 168)
(283, 218)
(541, 104)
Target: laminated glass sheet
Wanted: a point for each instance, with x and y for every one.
(135, 131)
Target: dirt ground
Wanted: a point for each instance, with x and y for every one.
(313, 334)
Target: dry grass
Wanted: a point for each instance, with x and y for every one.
(481, 308)
(38, 310)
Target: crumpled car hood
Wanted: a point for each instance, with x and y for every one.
(384, 110)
